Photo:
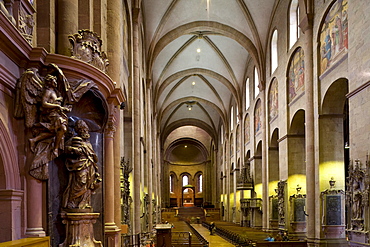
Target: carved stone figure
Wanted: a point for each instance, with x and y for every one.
(125, 190)
(281, 201)
(44, 103)
(86, 46)
(81, 163)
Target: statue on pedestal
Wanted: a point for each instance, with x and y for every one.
(81, 164)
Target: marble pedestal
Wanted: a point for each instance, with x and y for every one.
(79, 229)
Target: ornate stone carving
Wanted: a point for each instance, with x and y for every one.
(357, 195)
(86, 46)
(126, 169)
(245, 181)
(26, 23)
(44, 103)
(281, 202)
(81, 163)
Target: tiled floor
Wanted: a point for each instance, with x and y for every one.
(213, 240)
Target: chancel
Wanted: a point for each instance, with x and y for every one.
(178, 122)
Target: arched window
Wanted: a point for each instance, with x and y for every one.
(274, 51)
(256, 82)
(247, 100)
(171, 184)
(237, 115)
(185, 181)
(293, 23)
(200, 183)
(232, 118)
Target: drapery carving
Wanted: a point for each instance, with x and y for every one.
(81, 163)
(357, 194)
(44, 103)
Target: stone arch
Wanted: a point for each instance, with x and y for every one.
(9, 160)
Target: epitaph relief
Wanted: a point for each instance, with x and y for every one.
(86, 46)
(357, 194)
(44, 103)
(281, 203)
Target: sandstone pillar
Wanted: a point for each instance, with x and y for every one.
(67, 24)
(136, 120)
(111, 229)
(34, 208)
(306, 27)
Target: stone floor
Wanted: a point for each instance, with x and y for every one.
(213, 240)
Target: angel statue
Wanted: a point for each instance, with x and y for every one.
(44, 103)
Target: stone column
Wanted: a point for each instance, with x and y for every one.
(11, 201)
(306, 27)
(136, 161)
(34, 208)
(67, 24)
(111, 229)
(265, 180)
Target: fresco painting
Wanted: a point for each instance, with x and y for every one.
(273, 100)
(296, 75)
(257, 117)
(334, 35)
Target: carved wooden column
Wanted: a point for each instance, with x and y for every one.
(67, 24)
(111, 230)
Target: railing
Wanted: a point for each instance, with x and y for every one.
(137, 240)
(232, 237)
(198, 235)
(179, 239)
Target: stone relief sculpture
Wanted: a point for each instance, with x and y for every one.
(81, 163)
(245, 179)
(26, 23)
(357, 194)
(86, 46)
(125, 190)
(44, 103)
(281, 202)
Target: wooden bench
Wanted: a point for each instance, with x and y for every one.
(282, 244)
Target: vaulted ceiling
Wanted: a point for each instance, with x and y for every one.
(198, 52)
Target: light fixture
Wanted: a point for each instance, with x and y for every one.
(186, 146)
(346, 145)
(189, 104)
(193, 83)
(198, 50)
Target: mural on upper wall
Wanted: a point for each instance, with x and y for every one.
(257, 117)
(247, 127)
(334, 35)
(273, 100)
(296, 75)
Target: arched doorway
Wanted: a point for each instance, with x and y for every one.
(188, 199)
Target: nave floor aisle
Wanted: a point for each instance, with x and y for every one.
(213, 240)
